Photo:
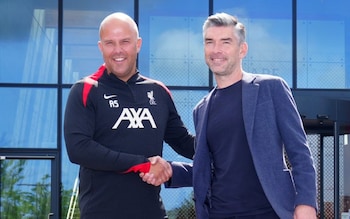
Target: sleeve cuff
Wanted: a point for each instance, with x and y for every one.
(143, 168)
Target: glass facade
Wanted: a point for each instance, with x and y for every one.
(323, 44)
(172, 42)
(30, 117)
(47, 45)
(269, 35)
(25, 192)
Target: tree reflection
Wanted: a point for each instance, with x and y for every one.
(21, 200)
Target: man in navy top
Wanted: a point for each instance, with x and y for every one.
(245, 127)
(116, 121)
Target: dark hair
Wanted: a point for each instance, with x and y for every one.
(224, 19)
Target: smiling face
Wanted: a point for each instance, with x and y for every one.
(119, 44)
(223, 52)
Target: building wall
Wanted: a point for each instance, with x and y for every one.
(45, 46)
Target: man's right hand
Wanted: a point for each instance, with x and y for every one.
(159, 173)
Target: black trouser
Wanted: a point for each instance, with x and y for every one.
(267, 215)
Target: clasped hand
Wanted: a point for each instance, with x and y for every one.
(159, 173)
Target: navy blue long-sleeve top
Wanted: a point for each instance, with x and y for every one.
(111, 127)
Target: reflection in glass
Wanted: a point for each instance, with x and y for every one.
(321, 66)
(185, 101)
(172, 48)
(70, 176)
(25, 189)
(29, 119)
(28, 42)
(323, 44)
(269, 35)
(81, 21)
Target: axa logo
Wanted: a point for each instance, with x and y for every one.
(136, 118)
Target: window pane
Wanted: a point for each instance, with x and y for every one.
(69, 172)
(185, 101)
(172, 49)
(269, 34)
(323, 44)
(25, 188)
(29, 119)
(28, 41)
(81, 21)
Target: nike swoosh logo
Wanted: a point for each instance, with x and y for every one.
(109, 96)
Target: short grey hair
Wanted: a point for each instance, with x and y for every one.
(226, 20)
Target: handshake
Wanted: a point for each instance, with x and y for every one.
(159, 172)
